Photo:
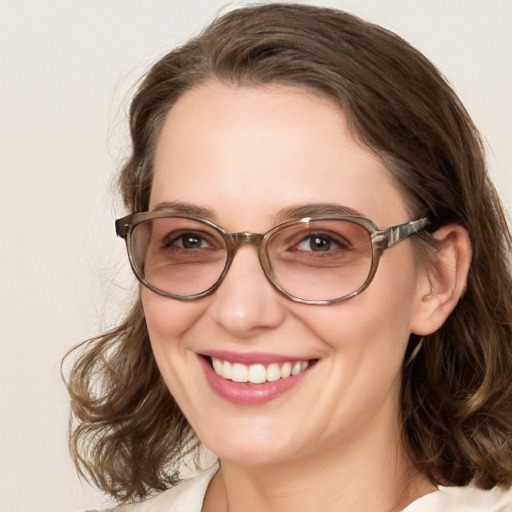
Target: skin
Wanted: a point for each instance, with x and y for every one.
(246, 154)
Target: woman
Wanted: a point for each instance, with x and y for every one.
(326, 296)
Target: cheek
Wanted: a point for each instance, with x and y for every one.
(168, 319)
(379, 320)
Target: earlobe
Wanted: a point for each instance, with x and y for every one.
(444, 280)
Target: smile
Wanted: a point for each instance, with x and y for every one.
(253, 379)
(257, 373)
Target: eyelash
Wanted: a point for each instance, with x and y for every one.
(341, 244)
(169, 241)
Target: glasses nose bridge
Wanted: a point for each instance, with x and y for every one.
(246, 238)
(236, 240)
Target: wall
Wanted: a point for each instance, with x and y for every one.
(67, 69)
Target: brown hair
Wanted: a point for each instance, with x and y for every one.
(128, 434)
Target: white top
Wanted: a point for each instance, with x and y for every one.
(188, 497)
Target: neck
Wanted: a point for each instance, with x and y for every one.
(373, 475)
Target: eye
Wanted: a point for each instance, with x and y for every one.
(315, 243)
(319, 242)
(190, 241)
(187, 240)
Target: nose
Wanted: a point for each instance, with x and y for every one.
(246, 303)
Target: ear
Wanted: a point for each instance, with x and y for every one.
(443, 280)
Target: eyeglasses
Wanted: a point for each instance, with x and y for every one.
(314, 260)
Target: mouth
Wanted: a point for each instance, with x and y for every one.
(258, 373)
(253, 379)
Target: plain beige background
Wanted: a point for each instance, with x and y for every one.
(66, 71)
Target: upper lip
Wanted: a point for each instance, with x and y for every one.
(249, 358)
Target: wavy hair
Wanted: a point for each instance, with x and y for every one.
(127, 433)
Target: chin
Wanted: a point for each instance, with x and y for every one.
(251, 446)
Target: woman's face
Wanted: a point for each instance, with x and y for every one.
(244, 157)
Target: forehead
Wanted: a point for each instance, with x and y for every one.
(246, 151)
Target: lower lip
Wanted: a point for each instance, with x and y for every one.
(244, 393)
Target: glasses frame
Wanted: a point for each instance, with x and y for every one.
(380, 240)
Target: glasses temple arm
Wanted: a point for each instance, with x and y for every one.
(122, 228)
(397, 234)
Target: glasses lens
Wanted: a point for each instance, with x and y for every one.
(178, 255)
(321, 260)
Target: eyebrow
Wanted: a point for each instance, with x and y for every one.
(315, 210)
(286, 214)
(186, 208)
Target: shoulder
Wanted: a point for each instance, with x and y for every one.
(464, 499)
(187, 496)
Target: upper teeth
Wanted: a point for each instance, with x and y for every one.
(257, 373)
